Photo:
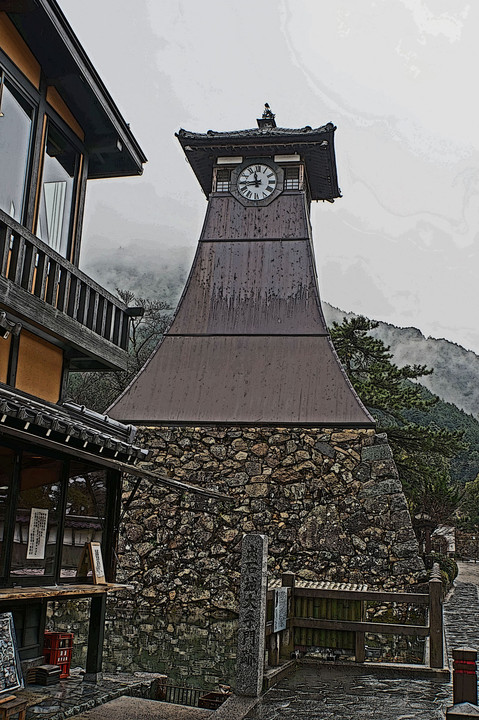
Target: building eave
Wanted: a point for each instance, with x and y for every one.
(45, 29)
(314, 145)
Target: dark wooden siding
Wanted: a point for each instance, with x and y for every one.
(258, 379)
(285, 218)
(249, 343)
(251, 288)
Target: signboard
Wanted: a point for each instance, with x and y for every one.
(280, 609)
(96, 561)
(37, 534)
(10, 669)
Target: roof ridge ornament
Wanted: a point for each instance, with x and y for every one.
(267, 120)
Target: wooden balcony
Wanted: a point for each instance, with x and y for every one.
(40, 287)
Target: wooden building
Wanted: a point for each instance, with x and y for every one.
(245, 392)
(60, 463)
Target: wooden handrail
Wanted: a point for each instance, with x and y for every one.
(38, 269)
(305, 592)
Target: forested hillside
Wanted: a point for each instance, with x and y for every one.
(465, 466)
(455, 379)
(456, 371)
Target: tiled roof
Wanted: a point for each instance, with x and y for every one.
(314, 145)
(256, 132)
(70, 423)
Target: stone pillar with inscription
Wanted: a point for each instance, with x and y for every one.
(252, 615)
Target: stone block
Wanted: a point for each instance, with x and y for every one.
(260, 449)
(257, 490)
(345, 436)
(376, 452)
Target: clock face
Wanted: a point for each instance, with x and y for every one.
(257, 182)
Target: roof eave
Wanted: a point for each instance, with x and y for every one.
(49, 16)
(306, 141)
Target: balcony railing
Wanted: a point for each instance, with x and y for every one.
(48, 279)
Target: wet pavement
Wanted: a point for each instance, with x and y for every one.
(72, 696)
(461, 610)
(314, 692)
(323, 693)
(348, 693)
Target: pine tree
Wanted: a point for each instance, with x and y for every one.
(422, 454)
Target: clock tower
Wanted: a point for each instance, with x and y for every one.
(246, 393)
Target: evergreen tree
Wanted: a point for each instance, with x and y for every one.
(422, 454)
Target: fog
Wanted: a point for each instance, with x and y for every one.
(401, 245)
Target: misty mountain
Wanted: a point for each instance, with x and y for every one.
(160, 273)
(148, 269)
(456, 370)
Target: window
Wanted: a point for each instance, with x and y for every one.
(16, 122)
(60, 165)
(49, 509)
(291, 178)
(84, 516)
(37, 517)
(223, 179)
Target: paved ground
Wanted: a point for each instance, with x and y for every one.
(327, 694)
(128, 708)
(461, 610)
(312, 693)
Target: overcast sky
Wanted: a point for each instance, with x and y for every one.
(395, 76)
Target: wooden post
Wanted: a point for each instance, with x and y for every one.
(96, 634)
(464, 676)
(436, 642)
(274, 647)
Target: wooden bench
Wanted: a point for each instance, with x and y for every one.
(13, 706)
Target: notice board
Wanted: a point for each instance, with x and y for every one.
(10, 669)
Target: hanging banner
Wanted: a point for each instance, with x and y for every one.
(37, 534)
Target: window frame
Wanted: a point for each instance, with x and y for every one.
(112, 509)
(31, 96)
(51, 118)
(44, 113)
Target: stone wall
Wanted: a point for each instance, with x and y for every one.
(330, 502)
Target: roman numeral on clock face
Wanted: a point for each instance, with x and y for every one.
(257, 182)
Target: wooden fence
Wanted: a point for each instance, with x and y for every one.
(317, 608)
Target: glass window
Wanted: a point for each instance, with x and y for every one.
(7, 459)
(37, 516)
(16, 120)
(58, 185)
(223, 179)
(291, 178)
(84, 517)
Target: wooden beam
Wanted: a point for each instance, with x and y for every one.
(59, 591)
(369, 627)
(378, 595)
(96, 636)
(58, 324)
